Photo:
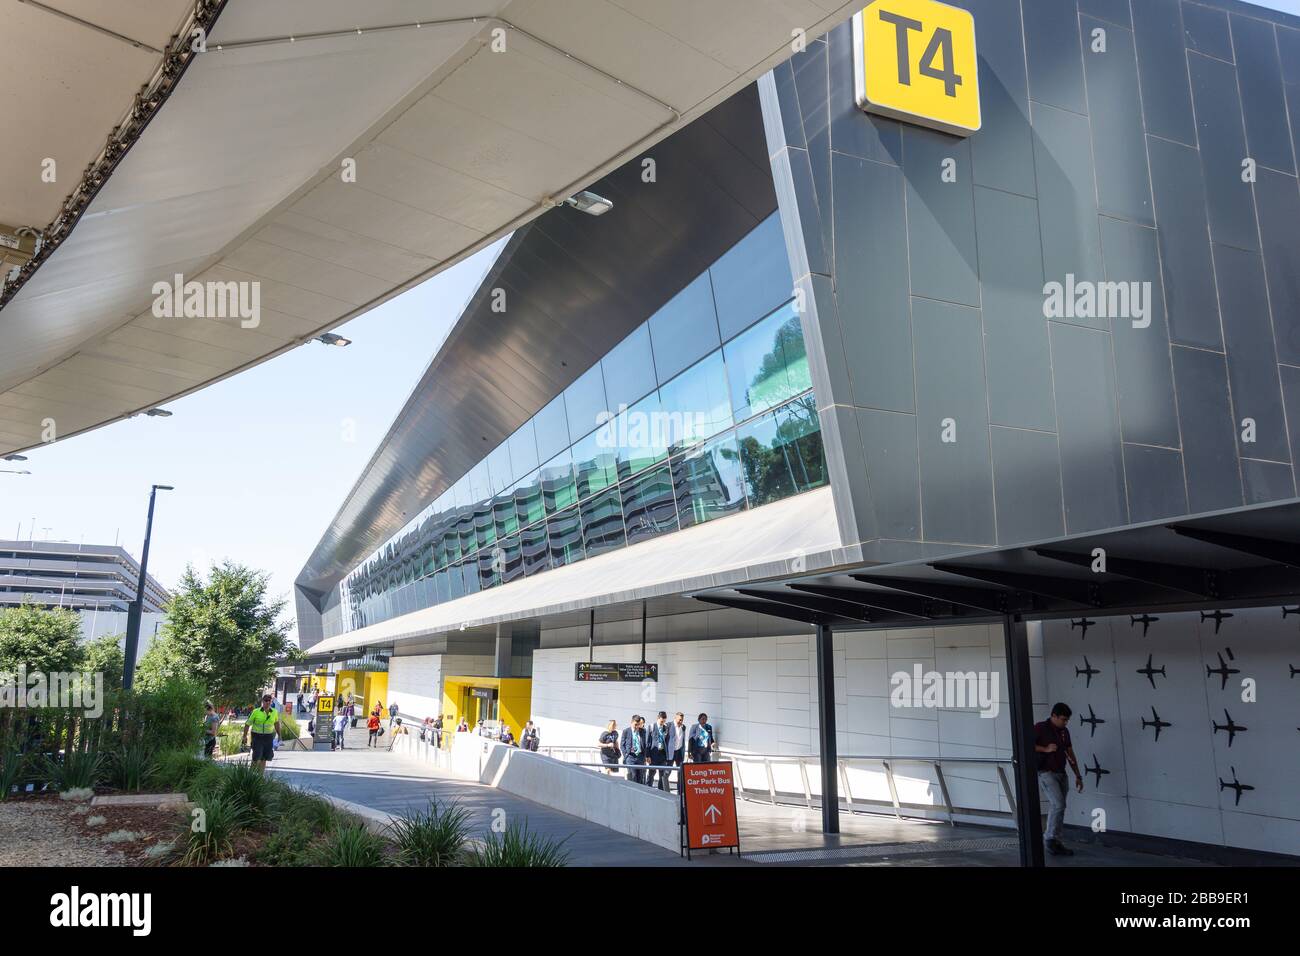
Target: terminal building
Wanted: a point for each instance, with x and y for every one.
(97, 581)
(830, 401)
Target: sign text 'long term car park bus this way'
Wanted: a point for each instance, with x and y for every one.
(597, 671)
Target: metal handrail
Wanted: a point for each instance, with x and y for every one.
(887, 762)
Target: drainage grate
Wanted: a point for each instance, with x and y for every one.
(882, 849)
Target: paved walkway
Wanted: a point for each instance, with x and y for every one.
(391, 783)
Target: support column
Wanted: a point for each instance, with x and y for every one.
(826, 729)
(1029, 821)
(501, 663)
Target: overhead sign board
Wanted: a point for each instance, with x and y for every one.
(709, 799)
(596, 671)
(915, 61)
(324, 704)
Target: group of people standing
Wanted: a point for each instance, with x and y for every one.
(662, 744)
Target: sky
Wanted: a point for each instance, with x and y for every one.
(261, 461)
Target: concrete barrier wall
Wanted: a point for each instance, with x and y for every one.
(613, 802)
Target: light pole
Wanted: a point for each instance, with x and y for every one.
(137, 606)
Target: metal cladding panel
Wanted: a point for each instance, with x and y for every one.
(1119, 170)
(575, 286)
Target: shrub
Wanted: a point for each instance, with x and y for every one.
(212, 832)
(433, 837)
(230, 739)
(288, 845)
(76, 770)
(289, 729)
(131, 767)
(13, 767)
(519, 847)
(244, 785)
(350, 844)
(292, 804)
(207, 781)
(175, 770)
(170, 715)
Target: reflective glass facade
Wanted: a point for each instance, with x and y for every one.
(679, 424)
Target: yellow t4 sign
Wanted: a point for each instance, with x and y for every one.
(915, 61)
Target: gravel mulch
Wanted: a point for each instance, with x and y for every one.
(47, 831)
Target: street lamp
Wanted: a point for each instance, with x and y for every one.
(10, 471)
(137, 606)
(329, 338)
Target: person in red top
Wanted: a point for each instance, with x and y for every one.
(1053, 750)
(373, 725)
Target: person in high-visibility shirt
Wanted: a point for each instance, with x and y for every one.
(264, 724)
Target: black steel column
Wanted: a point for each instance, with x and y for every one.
(135, 609)
(1029, 823)
(826, 729)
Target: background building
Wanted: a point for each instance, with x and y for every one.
(1151, 143)
(96, 581)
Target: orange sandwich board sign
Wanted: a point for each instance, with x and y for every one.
(709, 807)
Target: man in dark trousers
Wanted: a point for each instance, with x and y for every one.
(702, 741)
(659, 737)
(634, 747)
(1053, 750)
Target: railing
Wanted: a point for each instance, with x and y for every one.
(850, 803)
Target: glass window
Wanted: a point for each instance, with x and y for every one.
(528, 500)
(559, 489)
(629, 369)
(564, 537)
(595, 462)
(456, 581)
(465, 531)
(641, 435)
(602, 522)
(685, 329)
(523, 450)
(534, 550)
(551, 426)
(440, 585)
(485, 529)
(584, 401)
(500, 474)
(480, 484)
(460, 492)
(767, 365)
(505, 515)
(648, 506)
(508, 560)
(753, 278)
(781, 453)
(697, 403)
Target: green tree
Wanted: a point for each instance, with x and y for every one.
(42, 640)
(103, 655)
(223, 633)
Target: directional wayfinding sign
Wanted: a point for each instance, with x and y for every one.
(916, 61)
(597, 671)
(324, 730)
(709, 806)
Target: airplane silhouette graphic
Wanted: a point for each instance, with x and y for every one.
(1093, 720)
(1087, 669)
(1156, 722)
(1217, 617)
(1235, 785)
(1084, 623)
(1146, 620)
(1232, 728)
(1150, 672)
(1294, 670)
(1223, 670)
(1095, 769)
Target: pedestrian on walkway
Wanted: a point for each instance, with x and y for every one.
(505, 735)
(264, 726)
(301, 709)
(437, 731)
(530, 738)
(211, 724)
(372, 724)
(702, 740)
(609, 752)
(634, 746)
(463, 726)
(677, 732)
(392, 714)
(399, 730)
(340, 726)
(658, 741)
(1052, 750)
